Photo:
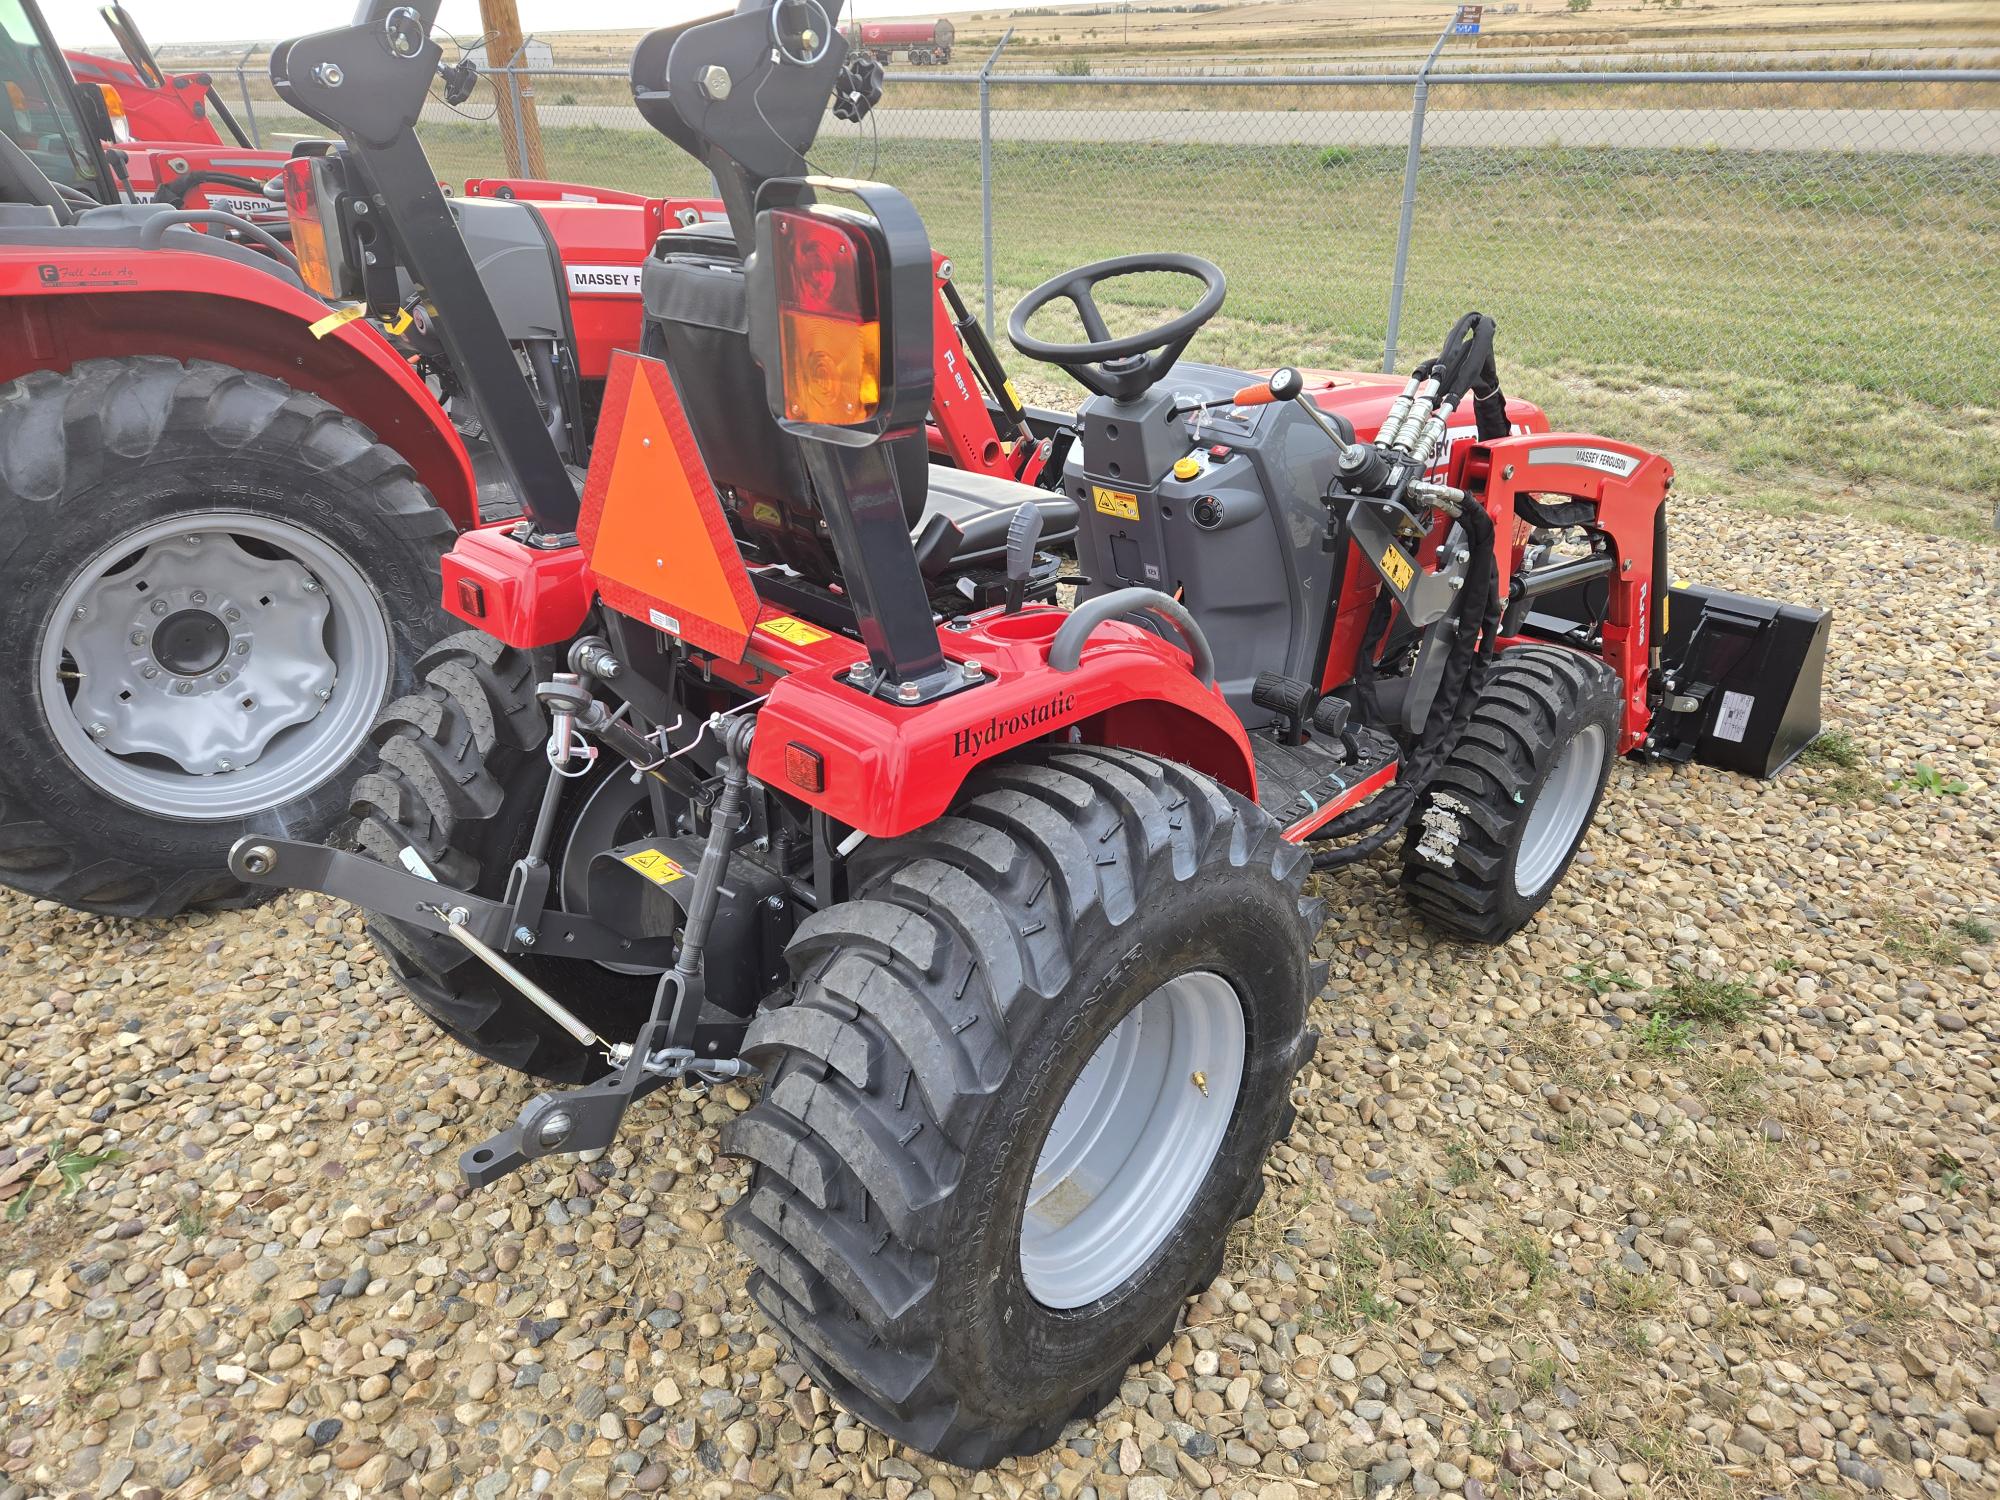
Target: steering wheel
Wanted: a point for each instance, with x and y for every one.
(1121, 368)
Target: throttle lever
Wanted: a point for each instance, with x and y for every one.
(1024, 534)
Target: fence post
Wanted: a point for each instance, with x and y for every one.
(1418, 101)
(516, 149)
(986, 173)
(243, 84)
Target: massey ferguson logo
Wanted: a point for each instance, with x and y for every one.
(604, 278)
(1005, 727)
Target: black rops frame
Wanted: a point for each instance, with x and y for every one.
(748, 109)
(851, 467)
(368, 81)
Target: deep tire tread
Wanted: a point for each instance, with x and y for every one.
(1512, 739)
(62, 433)
(949, 931)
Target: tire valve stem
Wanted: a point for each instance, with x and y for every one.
(1200, 1081)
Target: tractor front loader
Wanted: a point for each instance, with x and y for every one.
(774, 753)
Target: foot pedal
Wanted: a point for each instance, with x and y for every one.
(1292, 700)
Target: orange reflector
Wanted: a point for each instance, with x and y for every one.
(804, 768)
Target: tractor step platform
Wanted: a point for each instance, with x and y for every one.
(1307, 786)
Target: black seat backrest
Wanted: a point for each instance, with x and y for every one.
(697, 320)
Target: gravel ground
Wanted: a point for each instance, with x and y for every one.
(1688, 1191)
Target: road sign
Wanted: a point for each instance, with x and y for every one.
(1467, 23)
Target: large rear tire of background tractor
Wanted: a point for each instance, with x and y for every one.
(1502, 820)
(1026, 1086)
(210, 583)
(461, 773)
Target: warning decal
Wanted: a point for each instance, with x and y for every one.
(655, 866)
(785, 628)
(1120, 503)
(1396, 567)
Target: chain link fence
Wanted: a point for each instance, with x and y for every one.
(1660, 229)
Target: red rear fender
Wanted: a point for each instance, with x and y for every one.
(59, 305)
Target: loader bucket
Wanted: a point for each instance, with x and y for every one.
(1741, 680)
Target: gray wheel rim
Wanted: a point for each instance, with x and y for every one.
(214, 665)
(1133, 1141)
(1555, 822)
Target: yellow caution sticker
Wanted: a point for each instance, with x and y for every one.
(1013, 396)
(1396, 567)
(336, 319)
(785, 628)
(764, 513)
(1120, 503)
(655, 866)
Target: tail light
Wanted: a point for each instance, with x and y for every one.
(310, 206)
(121, 125)
(829, 324)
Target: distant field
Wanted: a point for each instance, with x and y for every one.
(1300, 31)
(1771, 376)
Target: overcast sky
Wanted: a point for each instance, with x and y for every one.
(76, 23)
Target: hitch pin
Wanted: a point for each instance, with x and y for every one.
(455, 920)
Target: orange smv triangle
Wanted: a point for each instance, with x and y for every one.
(651, 522)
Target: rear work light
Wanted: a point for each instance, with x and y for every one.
(829, 326)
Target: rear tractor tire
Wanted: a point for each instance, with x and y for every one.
(461, 774)
(210, 583)
(1026, 1085)
(1501, 822)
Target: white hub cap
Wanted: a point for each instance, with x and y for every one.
(1133, 1141)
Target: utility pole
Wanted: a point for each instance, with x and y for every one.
(520, 126)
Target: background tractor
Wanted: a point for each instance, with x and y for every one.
(773, 751)
(226, 487)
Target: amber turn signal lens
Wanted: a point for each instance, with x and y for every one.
(309, 241)
(830, 335)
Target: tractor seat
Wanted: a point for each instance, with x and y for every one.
(982, 508)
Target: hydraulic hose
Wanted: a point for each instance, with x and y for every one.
(1474, 639)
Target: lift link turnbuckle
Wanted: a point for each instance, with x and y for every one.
(587, 1118)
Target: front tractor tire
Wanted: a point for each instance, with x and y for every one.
(1026, 1085)
(1505, 816)
(210, 583)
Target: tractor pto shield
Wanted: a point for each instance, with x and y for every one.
(1742, 679)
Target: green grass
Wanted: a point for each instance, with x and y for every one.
(1924, 945)
(1663, 1036)
(74, 1168)
(1709, 1002)
(1767, 320)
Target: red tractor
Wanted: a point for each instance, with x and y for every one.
(768, 754)
(226, 487)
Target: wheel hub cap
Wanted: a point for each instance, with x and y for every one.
(191, 643)
(199, 652)
(1133, 1141)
